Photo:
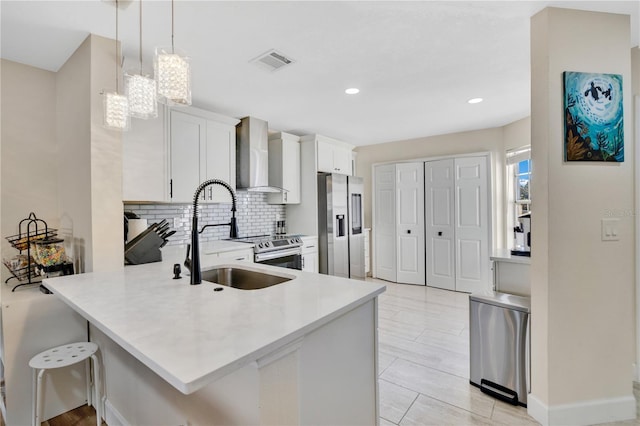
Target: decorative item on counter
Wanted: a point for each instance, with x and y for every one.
(49, 252)
(45, 254)
(20, 267)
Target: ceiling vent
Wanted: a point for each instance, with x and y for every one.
(273, 60)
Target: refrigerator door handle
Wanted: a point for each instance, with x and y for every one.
(340, 220)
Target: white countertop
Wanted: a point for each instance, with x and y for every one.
(504, 255)
(191, 335)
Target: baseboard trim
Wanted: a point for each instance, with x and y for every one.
(113, 416)
(583, 413)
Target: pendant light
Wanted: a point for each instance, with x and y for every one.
(141, 89)
(173, 74)
(116, 106)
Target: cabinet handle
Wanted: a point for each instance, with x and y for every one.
(285, 197)
(302, 262)
(408, 231)
(239, 258)
(170, 188)
(210, 193)
(309, 246)
(439, 233)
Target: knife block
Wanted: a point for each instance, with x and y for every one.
(145, 248)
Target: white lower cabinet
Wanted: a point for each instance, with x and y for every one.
(304, 382)
(210, 258)
(310, 253)
(245, 255)
(367, 261)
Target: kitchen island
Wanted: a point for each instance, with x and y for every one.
(300, 352)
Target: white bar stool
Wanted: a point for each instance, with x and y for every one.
(63, 356)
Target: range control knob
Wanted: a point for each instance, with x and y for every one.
(298, 240)
(260, 245)
(267, 244)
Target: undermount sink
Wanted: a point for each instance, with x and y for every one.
(241, 278)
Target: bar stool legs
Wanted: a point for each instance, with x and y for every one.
(63, 356)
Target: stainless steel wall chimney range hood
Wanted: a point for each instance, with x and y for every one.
(252, 156)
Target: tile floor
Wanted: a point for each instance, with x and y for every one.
(423, 366)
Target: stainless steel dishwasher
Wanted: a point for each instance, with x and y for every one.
(499, 341)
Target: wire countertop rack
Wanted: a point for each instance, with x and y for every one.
(24, 269)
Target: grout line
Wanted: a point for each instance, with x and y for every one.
(457, 407)
(395, 358)
(386, 419)
(409, 408)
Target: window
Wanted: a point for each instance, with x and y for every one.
(518, 187)
(522, 171)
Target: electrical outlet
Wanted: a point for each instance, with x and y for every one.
(610, 229)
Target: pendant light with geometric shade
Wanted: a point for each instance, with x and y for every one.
(116, 106)
(141, 89)
(172, 73)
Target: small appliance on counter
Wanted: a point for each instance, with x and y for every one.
(522, 236)
(145, 247)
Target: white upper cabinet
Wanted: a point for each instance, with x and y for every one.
(333, 156)
(202, 147)
(144, 160)
(220, 154)
(284, 168)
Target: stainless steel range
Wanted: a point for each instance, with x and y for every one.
(276, 250)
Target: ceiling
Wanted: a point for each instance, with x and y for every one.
(416, 63)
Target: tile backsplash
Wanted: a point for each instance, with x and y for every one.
(254, 215)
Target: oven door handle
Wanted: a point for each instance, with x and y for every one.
(261, 257)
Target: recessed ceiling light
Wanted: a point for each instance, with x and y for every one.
(352, 91)
(475, 100)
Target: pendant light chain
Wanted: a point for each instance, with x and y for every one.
(172, 46)
(140, 47)
(117, 56)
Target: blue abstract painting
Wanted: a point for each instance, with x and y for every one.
(593, 124)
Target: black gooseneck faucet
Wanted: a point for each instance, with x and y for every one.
(196, 273)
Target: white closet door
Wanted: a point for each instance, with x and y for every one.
(472, 224)
(384, 228)
(410, 220)
(440, 248)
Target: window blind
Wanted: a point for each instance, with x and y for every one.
(515, 156)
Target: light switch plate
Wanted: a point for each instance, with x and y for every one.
(610, 229)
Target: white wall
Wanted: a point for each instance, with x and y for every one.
(90, 158)
(106, 164)
(517, 134)
(74, 159)
(29, 178)
(582, 287)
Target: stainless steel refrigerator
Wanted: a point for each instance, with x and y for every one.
(340, 225)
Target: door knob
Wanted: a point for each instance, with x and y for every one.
(439, 233)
